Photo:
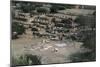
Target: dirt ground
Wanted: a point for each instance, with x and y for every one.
(49, 51)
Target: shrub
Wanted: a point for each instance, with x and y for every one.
(60, 7)
(53, 9)
(27, 59)
(17, 27)
(43, 10)
(83, 57)
(90, 40)
(27, 7)
(86, 21)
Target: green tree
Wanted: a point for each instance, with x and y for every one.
(83, 57)
(88, 38)
(90, 43)
(18, 27)
(53, 9)
(27, 7)
(43, 10)
(86, 21)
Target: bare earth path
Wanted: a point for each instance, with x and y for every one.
(48, 50)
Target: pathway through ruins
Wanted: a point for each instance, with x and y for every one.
(45, 48)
